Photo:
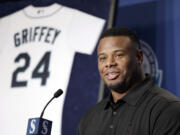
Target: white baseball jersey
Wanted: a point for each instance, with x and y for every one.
(38, 45)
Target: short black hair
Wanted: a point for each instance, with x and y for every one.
(121, 31)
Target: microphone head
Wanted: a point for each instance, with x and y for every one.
(58, 93)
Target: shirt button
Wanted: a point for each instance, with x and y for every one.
(114, 113)
(111, 126)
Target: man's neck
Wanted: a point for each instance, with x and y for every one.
(116, 96)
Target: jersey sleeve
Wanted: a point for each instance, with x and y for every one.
(3, 31)
(168, 122)
(84, 31)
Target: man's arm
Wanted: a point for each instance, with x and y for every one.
(168, 122)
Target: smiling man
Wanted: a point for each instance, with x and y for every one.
(136, 106)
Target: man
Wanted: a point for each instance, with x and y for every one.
(136, 106)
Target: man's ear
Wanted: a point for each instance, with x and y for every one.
(140, 56)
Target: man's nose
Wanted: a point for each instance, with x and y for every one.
(111, 62)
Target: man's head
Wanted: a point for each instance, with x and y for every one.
(120, 59)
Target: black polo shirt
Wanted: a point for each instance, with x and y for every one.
(145, 110)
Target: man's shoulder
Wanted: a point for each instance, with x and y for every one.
(163, 95)
(92, 116)
(98, 107)
(164, 104)
(94, 110)
(166, 113)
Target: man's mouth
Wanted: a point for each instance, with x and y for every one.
(112, 75)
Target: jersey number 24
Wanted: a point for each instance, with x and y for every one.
(36, 73)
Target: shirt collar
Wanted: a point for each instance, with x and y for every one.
(135, 94)
(110, 103)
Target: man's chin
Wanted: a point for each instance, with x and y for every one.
(118, 87)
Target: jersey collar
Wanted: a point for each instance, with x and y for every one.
(41, 12)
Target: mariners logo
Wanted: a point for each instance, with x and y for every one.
(150, 63)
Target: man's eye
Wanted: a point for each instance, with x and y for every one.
(102, 58)
(118, 55)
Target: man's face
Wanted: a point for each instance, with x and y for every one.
(117, 62)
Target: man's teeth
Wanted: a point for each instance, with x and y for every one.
(112, 75)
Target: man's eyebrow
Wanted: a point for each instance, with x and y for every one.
(100, 54)
(119, 50)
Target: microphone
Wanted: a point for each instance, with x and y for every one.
(41, 126)
(58, 93)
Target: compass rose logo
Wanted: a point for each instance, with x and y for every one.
(150, 63)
